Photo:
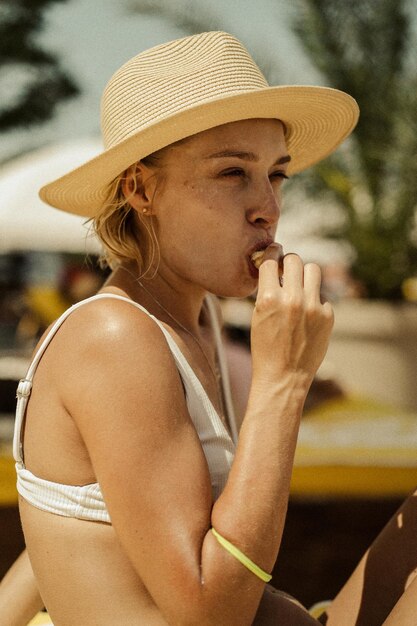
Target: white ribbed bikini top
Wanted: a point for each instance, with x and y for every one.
(86, 501)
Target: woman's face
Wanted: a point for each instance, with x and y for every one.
(219, 201)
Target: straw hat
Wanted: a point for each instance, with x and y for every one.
(189, 85)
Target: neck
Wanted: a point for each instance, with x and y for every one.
(181, 308)
(164, 296)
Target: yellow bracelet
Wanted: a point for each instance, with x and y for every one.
(250, 565)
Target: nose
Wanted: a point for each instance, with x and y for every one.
(265, 208)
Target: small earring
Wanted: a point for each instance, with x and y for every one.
(145, 210)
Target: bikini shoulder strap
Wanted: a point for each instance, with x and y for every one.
(24, 387)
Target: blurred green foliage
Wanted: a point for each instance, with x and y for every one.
(45, 84)
(368, 49)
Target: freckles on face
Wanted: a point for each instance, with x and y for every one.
(220, 196)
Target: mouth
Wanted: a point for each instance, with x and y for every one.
(256, 255)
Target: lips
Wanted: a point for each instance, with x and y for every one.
(257, 249)
(260, 245)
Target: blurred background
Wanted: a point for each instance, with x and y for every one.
(355, 214)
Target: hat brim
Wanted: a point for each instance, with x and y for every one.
(317, 120)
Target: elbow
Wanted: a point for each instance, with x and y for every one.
(205, 607)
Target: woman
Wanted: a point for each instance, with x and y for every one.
(138, 506)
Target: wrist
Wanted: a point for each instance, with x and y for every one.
(275, 402)
(282, 385)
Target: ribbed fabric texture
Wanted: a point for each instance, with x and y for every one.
(86, 502)
(177, 75)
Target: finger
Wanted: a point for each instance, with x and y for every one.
(293, 273)
(312, 283)
(269, 270)
(274, 251)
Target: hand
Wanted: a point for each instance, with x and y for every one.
(291, 326)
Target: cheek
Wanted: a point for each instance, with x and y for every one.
(202, 219)
(211, 195)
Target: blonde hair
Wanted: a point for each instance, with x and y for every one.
(124, 233)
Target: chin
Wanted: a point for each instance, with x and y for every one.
(237, 290)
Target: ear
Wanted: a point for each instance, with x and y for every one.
(139, 187)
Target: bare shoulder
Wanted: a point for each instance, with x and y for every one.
(120, 385)
(108, 320)
(110, 344)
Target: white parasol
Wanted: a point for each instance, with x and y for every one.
(26, 223)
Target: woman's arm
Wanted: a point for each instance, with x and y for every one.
(19, 596)
(123, 390)
(290, 334)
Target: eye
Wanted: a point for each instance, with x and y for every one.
(233, 172)
(278, 175)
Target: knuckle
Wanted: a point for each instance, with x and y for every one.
(328, 312)
(294, 304)
(321, 314)
(312, 311)
(266, 301)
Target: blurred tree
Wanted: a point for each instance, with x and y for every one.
(32, 78)
(368, 49)
(191, 17)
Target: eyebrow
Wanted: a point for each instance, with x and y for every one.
(246, 156)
